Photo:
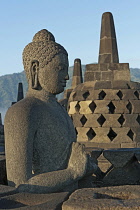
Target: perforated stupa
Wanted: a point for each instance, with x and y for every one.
(105, 109)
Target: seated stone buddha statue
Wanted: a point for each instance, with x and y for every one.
(42, 154)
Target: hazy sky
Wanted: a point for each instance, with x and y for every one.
(75, 25)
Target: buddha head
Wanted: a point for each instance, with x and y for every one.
(45, 63)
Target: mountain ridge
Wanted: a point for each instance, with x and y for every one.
(9, 84)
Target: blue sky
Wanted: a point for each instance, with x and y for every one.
(75, 25)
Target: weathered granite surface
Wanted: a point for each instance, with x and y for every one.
(7, 190)
(34, 201)
(108, 52)
(41, 153)
(108, 198)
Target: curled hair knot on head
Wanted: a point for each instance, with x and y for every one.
(42, 48)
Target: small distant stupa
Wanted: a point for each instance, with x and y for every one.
(76, 80)
(105, 109)
(20, 94)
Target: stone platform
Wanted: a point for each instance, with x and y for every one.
(107, 198)
(11, 199)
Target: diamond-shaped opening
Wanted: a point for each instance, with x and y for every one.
(138, 119)
(111, 134)
(130, 134)
(86, 94)
(91, 134)
(136, 93)
(102, 95)
(101, 120)
(92, 106)
(77, 107)
(111, 108)
(129, 107)
(83, 120)
(119, 94)
(121, 119)
(76, 131)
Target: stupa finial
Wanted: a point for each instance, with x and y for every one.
(108, 52)
(77, 73)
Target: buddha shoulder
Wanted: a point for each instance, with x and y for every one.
(25, 110)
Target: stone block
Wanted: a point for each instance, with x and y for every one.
(130, 120)
(92, 67)
(121, 75)
(127, 175)
(107, 75)
(96, 153)
(101, 106)
(111, 120)
(89, 76)
(111, 94)
(92, 145)
(97, 75)
(103, 163)
(134, 85)
(7, 190)
(93, 94)
(128, 145)
(136, 136)
(92, 120)
(82, 134)
(78, 96)
(121, 107)
(106, 49)
(106, 198)
(33, 201)
(103, 66)
(118, 66)
(101, 135)
(123, 135)
(86, 85)
(74, 107)
(76, 80)
(99, 85)
(120, 157)
(130, 94)
(87, 107)
(135, 106)
(121, 84)
(105, 58)
(76, 118)
(110, 145)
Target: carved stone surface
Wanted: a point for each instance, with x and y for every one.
(77, 73)
(41, 153)
(34, 201)
(108, 45)
(121, 197)
(20, 95)
(6, 190)
(117, 110)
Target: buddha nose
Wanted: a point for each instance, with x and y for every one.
(67, 77)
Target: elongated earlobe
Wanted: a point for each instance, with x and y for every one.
(34, 74)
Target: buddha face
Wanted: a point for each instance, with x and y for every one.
(52, 77)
